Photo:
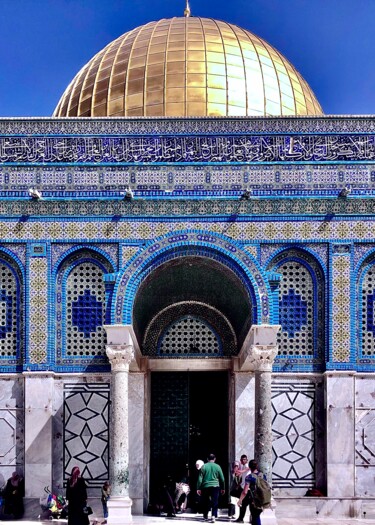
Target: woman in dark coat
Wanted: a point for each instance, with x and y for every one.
(76, 495)
(13, 496)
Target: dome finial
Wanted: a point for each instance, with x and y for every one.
(187, 11)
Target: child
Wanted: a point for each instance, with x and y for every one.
(106, 490)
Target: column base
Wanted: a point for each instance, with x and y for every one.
(119, 510)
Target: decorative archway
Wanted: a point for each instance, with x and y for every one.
(192, 242)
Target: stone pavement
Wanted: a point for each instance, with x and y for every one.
(193, 519)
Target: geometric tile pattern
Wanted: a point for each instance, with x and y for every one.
(189, 336)
(293, 313)
(38, 310)
(81, 309)
(340, 304)
(165, 205)
(95, 126)
(367, 305)
(189, 329)
(86, 436)
(8, 312)
(301, 309)
(293, 430)
(85, 311)
(247, 230)
(296, 307)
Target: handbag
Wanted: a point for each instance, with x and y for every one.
(87, 510)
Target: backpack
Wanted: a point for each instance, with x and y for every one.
(261, 493)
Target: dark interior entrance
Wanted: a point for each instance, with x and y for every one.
(189, 419)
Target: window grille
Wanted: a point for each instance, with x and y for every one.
(85, 311)
(296, 310)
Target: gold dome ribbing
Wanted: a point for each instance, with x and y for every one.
(188, 67)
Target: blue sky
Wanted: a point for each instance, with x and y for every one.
(45, 42)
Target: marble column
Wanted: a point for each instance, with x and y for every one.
(263, 360)
(258, 354)
(120, 352)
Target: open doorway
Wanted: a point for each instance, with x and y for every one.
(189, 420)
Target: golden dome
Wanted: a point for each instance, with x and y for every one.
(187, 67)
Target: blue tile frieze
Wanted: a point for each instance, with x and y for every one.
(182, 149)
(181, 126)
(227, 210)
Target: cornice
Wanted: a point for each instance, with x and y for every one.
(140, 126)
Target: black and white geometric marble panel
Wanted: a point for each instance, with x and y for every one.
(293, 428)
(86, 418)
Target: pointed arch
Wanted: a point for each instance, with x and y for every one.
(302, 310)
(12, 312)
(82, 307)
(365, 303)
(193, 243)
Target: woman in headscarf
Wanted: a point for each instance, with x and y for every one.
(13, 496)
(76, 494)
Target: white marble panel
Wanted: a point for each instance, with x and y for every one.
(340, 479)
(340, 434)
(37, 476)
(365, 482)
(365, 392)
(339, 390)
(11, 392)
(38, 433)
(58, 432)
(340, 425)
(136, 439)
(244, 414)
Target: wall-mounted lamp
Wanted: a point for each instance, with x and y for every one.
(344, 192)
(128, 194)
(35, 194)
(246, 195)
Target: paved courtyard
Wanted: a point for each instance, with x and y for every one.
(192, 519)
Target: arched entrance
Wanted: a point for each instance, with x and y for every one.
(189, 314)
(188, 300)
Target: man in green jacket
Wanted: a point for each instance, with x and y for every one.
(210, 483)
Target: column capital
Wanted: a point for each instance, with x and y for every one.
(259, 348)
(120, 357)
(261, 358)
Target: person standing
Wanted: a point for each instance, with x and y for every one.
(243, 470)
(106, 490)
(13, 496)
(197, 506)
(235, 490)
(210, 483)
(76, 494)
(249, 489)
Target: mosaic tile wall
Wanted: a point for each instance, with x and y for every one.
(265, 179)
(56, 330)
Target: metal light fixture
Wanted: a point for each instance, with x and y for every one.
(35, 194)
(129, 194)
(344, 192)
(246, 195)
